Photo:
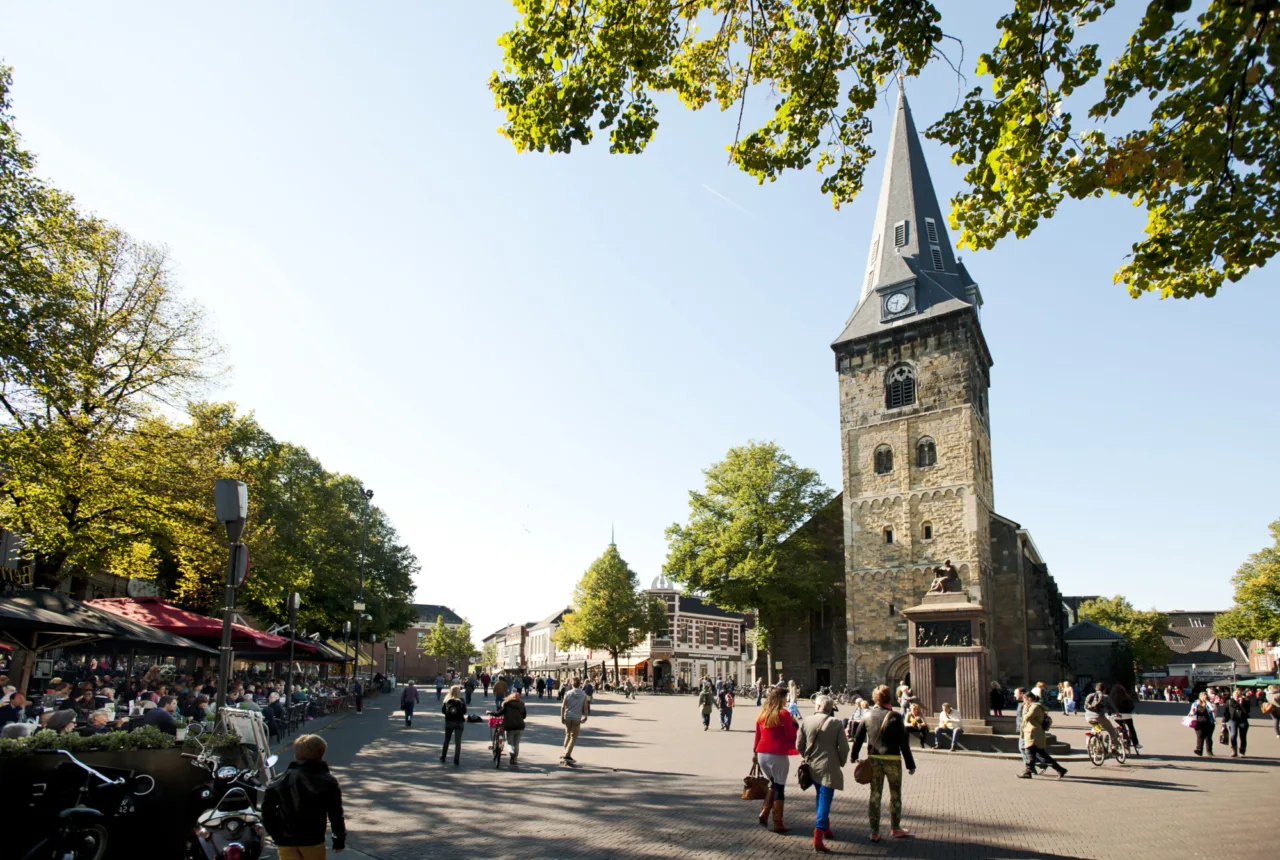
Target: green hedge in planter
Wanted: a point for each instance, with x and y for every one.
(145, 738)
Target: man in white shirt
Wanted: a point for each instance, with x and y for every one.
(573, 713)
(948, 723)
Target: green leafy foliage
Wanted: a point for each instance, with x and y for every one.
(145, 738)
(95, 337)
(489, 656)
(451, 644)
(1255, 613)
(1204, 163)
(744, 548)
(609, 612)
(1143, 631)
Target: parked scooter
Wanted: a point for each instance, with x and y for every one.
(80, 830)
(231, 827)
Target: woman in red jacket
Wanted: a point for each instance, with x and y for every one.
(775, 744)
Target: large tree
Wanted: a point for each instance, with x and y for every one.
(1255, 613)
(1143, 631)
(451, 644)
(1203, 159)
(744, 547)
(609, 612)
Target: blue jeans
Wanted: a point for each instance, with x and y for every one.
(826, 794)
(726, 717)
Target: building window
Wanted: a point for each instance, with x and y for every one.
(926, 452)
(900, 387)
(937, 257)
(926, 531)
(888, 535)
(900, 235)
(884, 460)
(931, 228)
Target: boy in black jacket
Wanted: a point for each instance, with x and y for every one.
(298, 802)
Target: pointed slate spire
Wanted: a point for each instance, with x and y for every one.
(909, 242)
(909, 223)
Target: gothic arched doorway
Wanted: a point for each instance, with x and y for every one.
(899, 672)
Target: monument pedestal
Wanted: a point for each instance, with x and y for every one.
(948, 636)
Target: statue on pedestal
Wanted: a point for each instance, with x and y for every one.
(945, 580)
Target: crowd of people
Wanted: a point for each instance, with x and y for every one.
(98, 695)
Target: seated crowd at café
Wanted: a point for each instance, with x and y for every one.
(99, 695)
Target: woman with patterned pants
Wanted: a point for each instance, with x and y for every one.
(885, 735)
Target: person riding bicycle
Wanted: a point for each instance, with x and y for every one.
(1125, 707)
(1096, 707)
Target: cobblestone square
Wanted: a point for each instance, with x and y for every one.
(652, 784)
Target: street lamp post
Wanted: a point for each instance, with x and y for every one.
(346, 643)
(231, 503)
(359, 605)
(295, 600)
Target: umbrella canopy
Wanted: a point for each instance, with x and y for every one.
(1253, 682)
(154, 612)
(42, 620)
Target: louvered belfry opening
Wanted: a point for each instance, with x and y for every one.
(900, 388)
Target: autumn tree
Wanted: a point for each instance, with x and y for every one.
(1203, 159)
(609, 612)
(451, 644)
(743, 546)
(1255, 613)
(1143, 631)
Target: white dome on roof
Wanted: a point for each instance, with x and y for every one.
(661, 583)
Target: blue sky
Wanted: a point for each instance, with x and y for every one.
(516, 351)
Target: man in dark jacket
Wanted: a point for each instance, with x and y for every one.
(161, 716)
(298, 803)
(1236, 715)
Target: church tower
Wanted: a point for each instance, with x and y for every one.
(914, 370)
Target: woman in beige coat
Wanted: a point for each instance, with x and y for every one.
(1034, 738)
(824, 747)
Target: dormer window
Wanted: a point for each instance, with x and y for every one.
(900, 235)
(931, 229)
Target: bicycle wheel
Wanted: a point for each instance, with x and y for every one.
(1122, 750)
(1097, 751)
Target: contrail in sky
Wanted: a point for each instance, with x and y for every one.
(726, 199)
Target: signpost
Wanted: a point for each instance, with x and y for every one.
(295, 600)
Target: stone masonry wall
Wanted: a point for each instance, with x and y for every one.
(953, 496)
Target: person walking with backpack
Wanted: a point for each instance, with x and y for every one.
(1236, 713)
(883, 731)
(408, 699)
(296, 806)
(455, 719)
(824, 748)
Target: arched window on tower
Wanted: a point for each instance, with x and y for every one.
(926, 452)
(884, 460)
(900, 387)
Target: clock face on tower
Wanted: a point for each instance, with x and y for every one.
(897, 303)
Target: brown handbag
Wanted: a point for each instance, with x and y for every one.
(862, 768)
(754, 785)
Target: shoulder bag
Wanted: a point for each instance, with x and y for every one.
(804, 773)
(755, 786)
(862, 767)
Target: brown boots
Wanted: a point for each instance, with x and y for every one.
(778, 826)
(764, 811)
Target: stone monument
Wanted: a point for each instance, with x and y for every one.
(947, 644)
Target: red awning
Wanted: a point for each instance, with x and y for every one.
(154, 612)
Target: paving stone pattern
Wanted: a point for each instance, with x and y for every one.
(654, 786)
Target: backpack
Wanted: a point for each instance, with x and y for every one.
(454, 711)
